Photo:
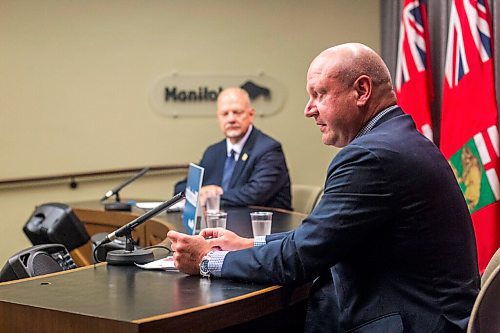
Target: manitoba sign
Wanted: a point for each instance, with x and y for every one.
(179, 95)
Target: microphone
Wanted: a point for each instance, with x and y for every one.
(116, 190)
(129, 256)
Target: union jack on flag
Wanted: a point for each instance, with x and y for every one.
(412, 29)
(413, 73)
(456, 60)
(480, 29)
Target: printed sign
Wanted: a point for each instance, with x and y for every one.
(189, 95)
(190, 213)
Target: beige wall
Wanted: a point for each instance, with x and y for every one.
(75, 78)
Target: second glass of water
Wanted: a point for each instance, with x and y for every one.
(216, 219)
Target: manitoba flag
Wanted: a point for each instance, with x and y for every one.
(469, 132)
(413, 79)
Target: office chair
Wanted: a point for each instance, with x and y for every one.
(304, 197)
(485, 316)
(492, 264)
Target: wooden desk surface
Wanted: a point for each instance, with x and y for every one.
(105, 298)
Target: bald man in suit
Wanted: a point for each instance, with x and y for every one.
(259, 174)
(390, 247)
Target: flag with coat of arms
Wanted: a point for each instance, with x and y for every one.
(413, 68)
(469, 123)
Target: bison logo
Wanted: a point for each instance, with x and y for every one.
(255, 91)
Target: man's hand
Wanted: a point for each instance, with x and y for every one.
(205, 190)
(225, 240)
(188, 251)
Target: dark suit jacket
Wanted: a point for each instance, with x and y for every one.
(262, 179)
(390, 246)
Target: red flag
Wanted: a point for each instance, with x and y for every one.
(413, 69)
(469, 131)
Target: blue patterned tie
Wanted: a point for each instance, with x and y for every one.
(228, 169)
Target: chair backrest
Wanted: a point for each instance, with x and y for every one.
(304, 197)
(485, 315)
(492, 264)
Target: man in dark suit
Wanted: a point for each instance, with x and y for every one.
(259, 174)
(390, 246)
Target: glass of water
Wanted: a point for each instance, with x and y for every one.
(216, 219)
(261, 223)
(213, 202)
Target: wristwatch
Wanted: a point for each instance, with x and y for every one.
(204, 272)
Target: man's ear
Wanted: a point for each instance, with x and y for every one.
(363, 86)
(251, 112)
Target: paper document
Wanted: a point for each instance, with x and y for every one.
(166, 264)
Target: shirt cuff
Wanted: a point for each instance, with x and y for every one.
(215, 262)
(217, 257)
(259, 241)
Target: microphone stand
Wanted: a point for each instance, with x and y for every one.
(130, 255)
(118, 205)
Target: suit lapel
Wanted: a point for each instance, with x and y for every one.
(245, 154)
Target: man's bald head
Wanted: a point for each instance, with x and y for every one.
(347, 62)
(348, 84)
(234, 93)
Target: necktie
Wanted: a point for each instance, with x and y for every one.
(228, 169)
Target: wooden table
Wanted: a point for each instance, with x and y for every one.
(111, 299)
(127, 299)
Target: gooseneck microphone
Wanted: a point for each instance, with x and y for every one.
(116, 190)
(130, 256)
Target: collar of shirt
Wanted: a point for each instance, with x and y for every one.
(238, 146)
(369, 125)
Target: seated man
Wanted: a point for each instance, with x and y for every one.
(248, 167)
(390, 246)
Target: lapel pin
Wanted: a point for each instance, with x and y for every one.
(244, 157)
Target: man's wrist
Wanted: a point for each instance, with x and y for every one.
(259, 241)
(204, 271)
